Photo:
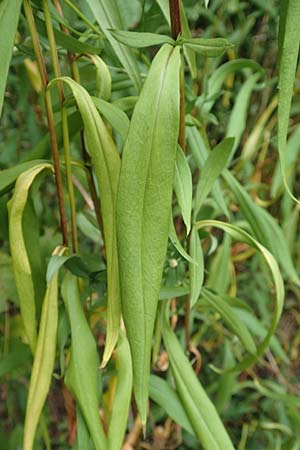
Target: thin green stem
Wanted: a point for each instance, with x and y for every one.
(50, 120)
(83, 17)
(66, 141)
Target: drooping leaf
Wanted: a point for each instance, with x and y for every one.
(106, 163)
(144, 208)
(141, 40)
(8, 176)
(183, 187)
(289, 41)
(21, 264)
(177, 244)
(81, 374)
(107, 14)
(9, 18)
(198, 407)
(120, 408)
(43, 363)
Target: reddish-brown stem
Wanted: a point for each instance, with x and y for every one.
(175, 17)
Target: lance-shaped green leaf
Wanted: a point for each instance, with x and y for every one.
(183, 187)
(81, 374)
(121, 403)
(165, 396)
(9, 18)
(196, 271)
(141, 40)
(242, 236)
(21, 264)
(106, 12)
(289, 40)
(198, 407)
(144, 208)
(106, 163)
(43, 363)
(206, 47)
(114, 115)
(103, 77)
(212, 168)
(230, 317)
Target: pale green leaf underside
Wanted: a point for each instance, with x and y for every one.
(141, 40)
(144, 208)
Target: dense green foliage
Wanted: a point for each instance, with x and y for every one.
(149, 225)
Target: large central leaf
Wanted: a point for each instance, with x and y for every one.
(144, 208)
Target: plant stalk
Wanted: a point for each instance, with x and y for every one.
(50, 120)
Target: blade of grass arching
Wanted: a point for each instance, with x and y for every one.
(219, 274)
(43, 363)
(264, 227)
(81, 374)
(120, 408)
(8, 176)
(289, 40)
(21, 263)
(107, 15)
(230, 317)
(9, 19)
(144, 209)
(241, 235)
(106, 162)
(198, 407)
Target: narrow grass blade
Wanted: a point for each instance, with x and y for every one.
(196, 271)
(144, 208)
(289, 40)
(220, 305)
(121, 403)
(81, 374)
(106, 162)
(21, 264)
(106, 13)
(43, 363)
(9, 18)
(198, 407)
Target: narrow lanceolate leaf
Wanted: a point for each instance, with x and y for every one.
(241, 235)
(230, 317)
(121, 403)
(196, 271)
(43, 363)
(198, 407)
(106, 12)
(183, 187)
(144, 208)
(81, 375)
(141, 40)
(21, 264)
(212, 168)
(9, 18)
(106, 162)
(289, 40)
(207, 47)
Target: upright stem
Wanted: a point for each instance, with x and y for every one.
(50, 120)
(175, 8)
(64, 117)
